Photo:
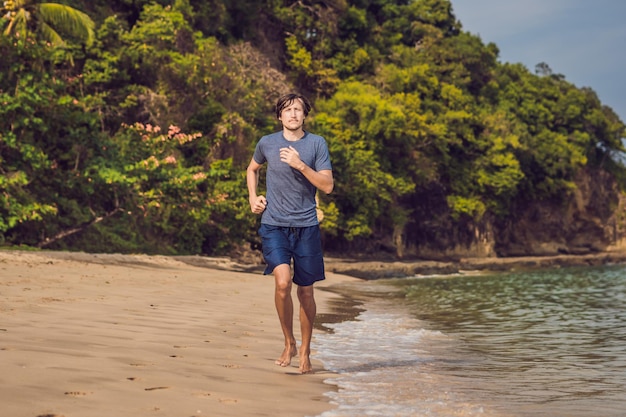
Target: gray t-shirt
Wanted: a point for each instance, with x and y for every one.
(290, 196)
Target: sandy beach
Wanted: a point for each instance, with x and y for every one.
(133, 335)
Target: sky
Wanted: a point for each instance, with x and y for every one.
(583, 40)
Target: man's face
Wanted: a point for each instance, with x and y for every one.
(292, 116)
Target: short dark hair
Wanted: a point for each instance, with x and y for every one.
(286, 101)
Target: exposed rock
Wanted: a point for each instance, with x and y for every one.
(384, 269)
(591, 218)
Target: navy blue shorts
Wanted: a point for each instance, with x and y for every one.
(302, 244)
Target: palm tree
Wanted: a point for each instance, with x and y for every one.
(46, 20)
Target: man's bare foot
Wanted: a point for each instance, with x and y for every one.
(305, 364)
(285, 358)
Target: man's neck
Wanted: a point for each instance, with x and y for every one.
(293, 135)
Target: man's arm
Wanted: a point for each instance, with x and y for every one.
(257, 202)
(323, 179)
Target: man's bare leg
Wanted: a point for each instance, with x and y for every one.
(307, 317)
(284, 307)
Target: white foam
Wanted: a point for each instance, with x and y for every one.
(377, 357)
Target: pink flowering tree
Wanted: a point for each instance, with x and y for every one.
(173, 204)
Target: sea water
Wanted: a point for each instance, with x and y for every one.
(539, 343)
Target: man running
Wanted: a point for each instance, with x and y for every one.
(298, 164)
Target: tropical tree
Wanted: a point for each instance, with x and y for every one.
(360, 124)
(46, 20)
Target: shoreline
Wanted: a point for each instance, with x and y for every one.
(155, 335)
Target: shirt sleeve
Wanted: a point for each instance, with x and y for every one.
(259, 156)
(322, 156)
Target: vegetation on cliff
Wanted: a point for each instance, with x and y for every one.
(126, 126)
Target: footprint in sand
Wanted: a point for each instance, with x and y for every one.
(141, 364)
(231, 366)
(155, 388)
(76, 393)
(228, 401)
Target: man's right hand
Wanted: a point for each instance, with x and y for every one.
(258, 204)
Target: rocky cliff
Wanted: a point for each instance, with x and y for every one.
(591, 218)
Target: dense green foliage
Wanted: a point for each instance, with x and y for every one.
(133, 133)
